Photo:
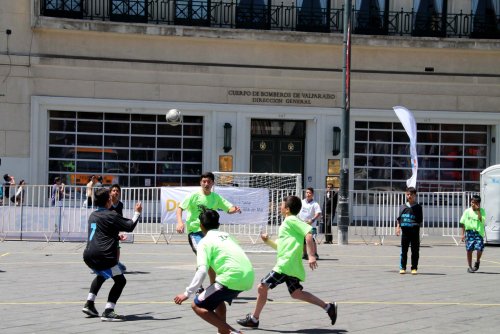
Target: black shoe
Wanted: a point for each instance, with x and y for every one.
(110, 315)
(476, 265)
(199, 290)
(332, 312)
(470, 270)
(305, 257)
(89, 309)
(248, 322)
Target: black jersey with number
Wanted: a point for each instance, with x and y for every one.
(101, 251)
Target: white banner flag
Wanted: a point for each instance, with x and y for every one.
(406, 118)
(253, 202)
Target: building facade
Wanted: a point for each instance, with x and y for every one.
(85, 86)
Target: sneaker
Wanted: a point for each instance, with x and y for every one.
(199, 290)
(248, 322)
(414, 271)
(476, 265)
(332, 312)
(402, 271)
(90, 310)
(110, 315)
(471, 270)
(122, 267)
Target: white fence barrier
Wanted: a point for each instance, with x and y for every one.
(373, 214)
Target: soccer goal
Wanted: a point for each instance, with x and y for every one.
(259, 195)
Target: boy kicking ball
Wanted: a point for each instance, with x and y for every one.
(289, 268)
(233, 270)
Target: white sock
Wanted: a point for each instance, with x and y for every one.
(110, 305)
(327, 307)
(254, 319)
(91, 297)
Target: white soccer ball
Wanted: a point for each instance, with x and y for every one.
(173, 117)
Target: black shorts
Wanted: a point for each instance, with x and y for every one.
(273, 279)
(214, 295)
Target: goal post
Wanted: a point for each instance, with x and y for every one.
(260, 197)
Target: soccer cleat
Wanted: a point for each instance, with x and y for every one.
(110, 315)
(332, 312)
(476, 265)
(402, 271)
(414, 271)
(248, 322)
(89, 309)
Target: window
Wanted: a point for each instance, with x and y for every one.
(129, 10)
(194, 13)
(253, 14)
(370, 16)
(450, 156)
(63, 8)
(486, 19)
(132, 150)
(429, 18)
(312, 15)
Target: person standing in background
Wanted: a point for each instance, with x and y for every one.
(472, 222)
(329, 209)
(409, 222)
(310, 213)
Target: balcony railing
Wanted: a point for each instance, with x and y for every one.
(248, 14)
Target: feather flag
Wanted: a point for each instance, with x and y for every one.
(408, 121)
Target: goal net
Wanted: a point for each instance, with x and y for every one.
(259, 195)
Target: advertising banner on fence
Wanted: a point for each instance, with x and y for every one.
(254, 204)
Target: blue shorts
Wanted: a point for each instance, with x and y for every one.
(214, 295)
(274, 279)
(194, 239)
(473, 241)
(109, 273)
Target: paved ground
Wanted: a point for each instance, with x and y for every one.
(44, 285)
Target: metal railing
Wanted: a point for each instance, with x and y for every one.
(275, 16)
(373, 215)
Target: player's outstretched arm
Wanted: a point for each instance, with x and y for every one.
(268, 241)
(234, 209)
(180, 225)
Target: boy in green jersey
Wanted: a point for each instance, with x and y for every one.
(289, 268)
(472, 222)
(193, 204)
(234, 273)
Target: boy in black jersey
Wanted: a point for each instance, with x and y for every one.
(409, 221)
(101, 252)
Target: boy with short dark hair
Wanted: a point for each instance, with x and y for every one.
(234, 273)
(101, 253)
(409, 222)
(472, 222)
(289, 268)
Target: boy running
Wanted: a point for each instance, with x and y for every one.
(289, 268)
(101, 253)
(204, 198)
(234, 273)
